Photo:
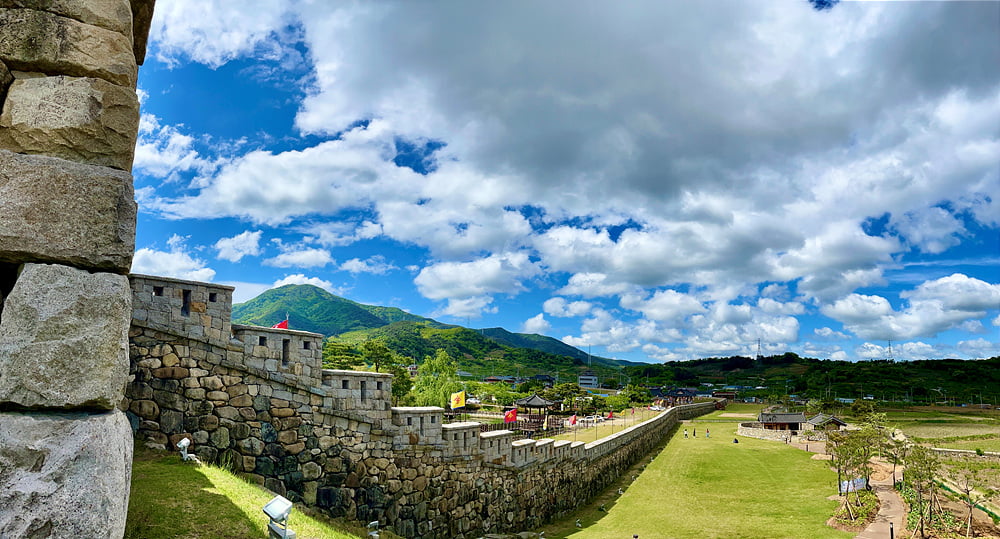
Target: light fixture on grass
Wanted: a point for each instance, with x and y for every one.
(183, 445)
(278, 510)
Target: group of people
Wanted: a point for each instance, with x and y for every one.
(694, 433)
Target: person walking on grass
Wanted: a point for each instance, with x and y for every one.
(685, 433)
(706, 433)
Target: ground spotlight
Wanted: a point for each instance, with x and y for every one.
(183, 445)
(278, 510)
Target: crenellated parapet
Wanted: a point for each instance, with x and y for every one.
(259, 399)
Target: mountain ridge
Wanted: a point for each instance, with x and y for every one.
(311, 308)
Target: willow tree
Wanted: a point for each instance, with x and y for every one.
(437, 379)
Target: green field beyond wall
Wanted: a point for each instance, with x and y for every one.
(710, 487)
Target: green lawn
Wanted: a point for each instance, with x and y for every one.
(704, 488)
(174, 499)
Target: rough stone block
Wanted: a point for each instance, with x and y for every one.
(115, 15)
(64, 476)
(64, 339)
(39, 41)
(57, 211)
(80, 119)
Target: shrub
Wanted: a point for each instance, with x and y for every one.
(862, 514)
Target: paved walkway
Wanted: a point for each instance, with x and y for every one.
(891, 509)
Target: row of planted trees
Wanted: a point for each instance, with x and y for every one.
(853, 452)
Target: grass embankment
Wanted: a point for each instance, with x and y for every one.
(174, 499)
(710, 487)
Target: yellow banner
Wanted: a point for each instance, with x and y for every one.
(458, 400)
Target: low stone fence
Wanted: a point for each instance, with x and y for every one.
(964, 454)
(754, 430)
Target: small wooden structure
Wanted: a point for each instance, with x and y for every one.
(825, 422)
(781, 420)
(534, 402)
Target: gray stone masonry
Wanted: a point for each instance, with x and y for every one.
(68, 121)
(61, 322)
(329, 438)
(67, 475)
(52, 210)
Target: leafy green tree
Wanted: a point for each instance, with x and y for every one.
(569, 393)
(896, 449)
(922, 466)
(636, 394)
(376, 353)
(437, 379)
(862, 408)
(531, 386)
(340, 356)
(401, 381)
(497, 393)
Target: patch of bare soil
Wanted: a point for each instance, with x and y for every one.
(739, 416)
(982, 524)
(820, 456)
(881, 470)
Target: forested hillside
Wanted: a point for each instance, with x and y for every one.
(937, 380)
(476, 352)
(310, 308)
(496, 351)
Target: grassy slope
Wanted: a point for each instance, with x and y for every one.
(173, 499)
(702, 488)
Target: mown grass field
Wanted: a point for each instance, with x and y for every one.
(174, 499)
(710, 487)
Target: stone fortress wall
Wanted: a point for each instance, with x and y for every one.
(258, 400)
(68, 122)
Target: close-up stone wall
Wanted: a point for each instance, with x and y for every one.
(68, 121)
(263, 406)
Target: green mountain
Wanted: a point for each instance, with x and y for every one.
(478, 352)
(550, 345)
(310, 308)
(481, 352)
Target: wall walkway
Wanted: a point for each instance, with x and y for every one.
(258, 400)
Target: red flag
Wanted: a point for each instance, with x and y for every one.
(572, 420)
(510, 416)
(611, 415)
(281, 325)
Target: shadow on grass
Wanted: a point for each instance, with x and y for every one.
(159, 509)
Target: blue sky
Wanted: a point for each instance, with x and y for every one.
(654, 181)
